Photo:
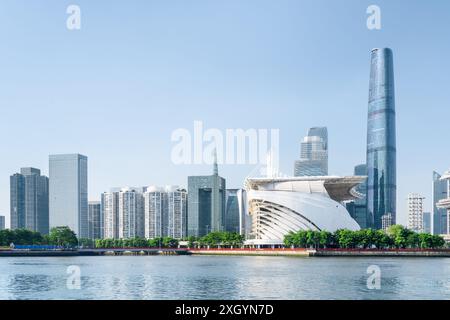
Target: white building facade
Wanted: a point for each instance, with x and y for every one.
(165, 212)
(131, 213)
(281, 205)
(415, 212)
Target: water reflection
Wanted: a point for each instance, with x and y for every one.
(158, 277)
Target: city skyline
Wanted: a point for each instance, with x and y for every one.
(271, 81)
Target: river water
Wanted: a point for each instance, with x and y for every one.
(220, 277)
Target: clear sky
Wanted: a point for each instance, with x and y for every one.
(117, 88)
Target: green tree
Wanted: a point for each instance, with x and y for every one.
(63, 236)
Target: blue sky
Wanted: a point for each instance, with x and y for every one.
(137, 70)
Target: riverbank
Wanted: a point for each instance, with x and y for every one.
(298, 252)
(326, 252)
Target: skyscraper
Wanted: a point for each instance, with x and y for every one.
(177, 212)
(95, 220)
(154, 212)
(438, 215)
(358, 207)
(29, 201)
(69, 192)
(314, 154)
(427, 222)
(2, 222)
(445, 203)
(131, 213)
(165, 212)
(415, 212)
(232, 212)
(381, 145)
(206, 204)
(110, 212)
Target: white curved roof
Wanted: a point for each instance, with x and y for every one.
(337, 188)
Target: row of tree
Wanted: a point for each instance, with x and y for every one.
(59, 236)
(396, 236)
(164, 242)
(216, 240)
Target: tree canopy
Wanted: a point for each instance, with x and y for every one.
(396, 236)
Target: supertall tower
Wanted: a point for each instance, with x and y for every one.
(381, 146)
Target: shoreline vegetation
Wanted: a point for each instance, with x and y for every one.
(396, 241)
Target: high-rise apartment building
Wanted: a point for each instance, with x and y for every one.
(438, 215)
(415, 212)
(29, 200)
(131, 213)
(206, 204)
(381, 141)
(386, 221)
(110, 212)
(314, 154)
(177, 212)
(95, 220)
(155, 211)
(69, 192)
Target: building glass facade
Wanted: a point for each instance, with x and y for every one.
(206, 204)
(2, 222)
(29, 201)
(381, 139)
(313, 154)
(69, 192)
(439, 215)
(95, 220)
(232, 211)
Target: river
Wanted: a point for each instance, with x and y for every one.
(223, 277)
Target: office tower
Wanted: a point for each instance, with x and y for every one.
(439, 215)
(445, 203)
(131, 213)
(110, 212)
(95, 220)
(2, 222)
(165, 212)
(381, 145)
(29, 201)
(314, 154)
(206, 204)
(69, 192)
(415, 212)
(232, 211)
(358, 207)
(426, 222)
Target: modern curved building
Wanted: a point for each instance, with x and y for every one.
(281, 205)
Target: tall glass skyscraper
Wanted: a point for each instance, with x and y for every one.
(206, 204)
(69, 192)
(29, 200)
(95, 220)
(314, 154)
(439, 215)
(381, 145)
(358, 207)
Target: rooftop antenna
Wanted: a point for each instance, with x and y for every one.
(216, 167)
